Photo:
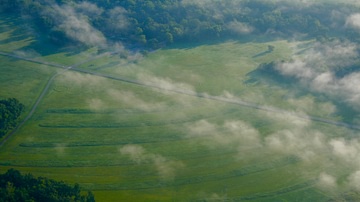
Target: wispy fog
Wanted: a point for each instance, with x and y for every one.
(73, 21)
(133, 101)
(239, 27)
(297, 138)
(353, 21)
(165, 167)
(165, 83)
(318, 70)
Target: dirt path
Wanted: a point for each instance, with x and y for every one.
(155, 86)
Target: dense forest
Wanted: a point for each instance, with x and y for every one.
(10, 110)
(157, 23)
(15, 187)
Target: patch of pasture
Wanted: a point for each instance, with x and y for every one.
(23, 80)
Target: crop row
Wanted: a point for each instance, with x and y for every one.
(156, 184)
(89, 111)
(124, 125)
(96, 143)
(304, 185)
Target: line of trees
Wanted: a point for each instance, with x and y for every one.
(155, 23)
(15, 187)
(10, 111)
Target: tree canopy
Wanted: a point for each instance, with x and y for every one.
(156, 23)
(10, 111)
(15, 187)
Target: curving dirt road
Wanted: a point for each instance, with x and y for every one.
(155, 86)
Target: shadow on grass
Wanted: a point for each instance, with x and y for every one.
(16, 35)
(14, 25)
(213, 41)
(21, 29)
(262, 54)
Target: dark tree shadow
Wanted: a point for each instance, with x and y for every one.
(41, 41)
(261, 54)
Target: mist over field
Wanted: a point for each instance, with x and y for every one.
(214, 100)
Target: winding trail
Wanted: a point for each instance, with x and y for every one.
(46, 88)
(234, 101)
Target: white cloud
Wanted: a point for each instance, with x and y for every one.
(353, 21)
(354, 180)
(309, 104)
(317, 68)
(96, 104)
(296, 68)
(346, 151)
(132, 100)
(75, 24)
(88, 8)
(200, 3)
(166, 168)
(295, 138)
(301, 143)
(234, 133)
(298, 120)
(202, 128)
(327, 181)
(135, 153)
(242, 132)
(239, 27)
(118, 19)
(166, 84)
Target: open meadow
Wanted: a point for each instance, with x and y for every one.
(189, 123)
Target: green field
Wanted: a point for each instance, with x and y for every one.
(151, 142)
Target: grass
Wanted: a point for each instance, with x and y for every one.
(78, 130)
(23, 80)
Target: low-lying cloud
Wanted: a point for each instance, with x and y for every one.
(110, 95)
(166, 84)
(130, 99)
(353, 21)
(166, 168)
(231, 133)
(239, 27)
(88, 9)
(118, 19)
(317, 69)
(75, 24)
(74, 20)
(296, 137)
(327, 181)
(354, 180)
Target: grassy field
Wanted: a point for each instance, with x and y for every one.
(139, 143)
